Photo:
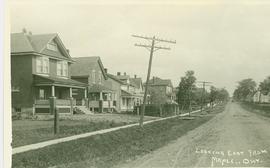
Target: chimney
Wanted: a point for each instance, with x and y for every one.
(118, 73)
(135, 76)
(106, 70)
(125, 73)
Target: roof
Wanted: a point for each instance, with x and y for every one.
(115, 78)
(136, 82)
(84, 65)
(25, 43)
(126, 93)
(48, 80)
(96, 88)
(155, 81)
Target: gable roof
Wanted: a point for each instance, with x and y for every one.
(137, 82)
(115, 78)
(84, 65)
(25, 43)
(156, 81)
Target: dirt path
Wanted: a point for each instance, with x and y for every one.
(233, 138)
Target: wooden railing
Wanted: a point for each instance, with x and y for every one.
(42, 102)
(59, 102)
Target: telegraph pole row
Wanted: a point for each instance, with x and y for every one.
(152, 48)
(203, 92)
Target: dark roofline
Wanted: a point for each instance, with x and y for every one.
(41, 54)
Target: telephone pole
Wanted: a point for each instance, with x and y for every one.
(203, 92)
(152, 48)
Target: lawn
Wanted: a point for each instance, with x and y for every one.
(261, 109)
(26, 132)
(107, 150)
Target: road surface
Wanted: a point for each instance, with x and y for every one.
(233, 138)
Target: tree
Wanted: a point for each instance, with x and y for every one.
(245, 88)
(265, 86)
(186, 85)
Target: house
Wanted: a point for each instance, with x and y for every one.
(90, 70)
(139, 89)
(40, 70)
(127, 92)
(161, 91)
(115, 84)
(259, 97)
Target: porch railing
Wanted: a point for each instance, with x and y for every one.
(59, 102)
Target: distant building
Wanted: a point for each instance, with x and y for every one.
(131, 91)
(161, 91)
(259, 97)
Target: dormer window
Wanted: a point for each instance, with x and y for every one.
(52, 46)
(42, 65)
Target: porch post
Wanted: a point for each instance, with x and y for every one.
(71, 100)
(100, 102)
(53, 91)
(109, 101)
(70, 92)
(85, 98)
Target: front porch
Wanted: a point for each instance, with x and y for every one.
(127, 101)
(101, 99)
(48, 92)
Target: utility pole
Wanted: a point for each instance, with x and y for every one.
(152, 48)
(203, 92)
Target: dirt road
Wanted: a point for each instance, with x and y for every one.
(233, 138)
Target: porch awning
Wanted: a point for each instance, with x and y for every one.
(126, 94)
(99, 88)
(53, 81)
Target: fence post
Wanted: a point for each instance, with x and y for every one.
(56, 121)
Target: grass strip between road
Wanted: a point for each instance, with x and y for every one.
(107, 150)
(261, 109)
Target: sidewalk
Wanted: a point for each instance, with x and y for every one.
(74, 137)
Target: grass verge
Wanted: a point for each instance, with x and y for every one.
(107, 150)
(27, 132)
(261, 109)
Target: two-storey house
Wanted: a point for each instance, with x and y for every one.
(127, 92)
(90, 70)
(40, 69)
(139, 90)
(161, 91)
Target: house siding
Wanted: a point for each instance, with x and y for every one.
(21, 76)
(115, 86)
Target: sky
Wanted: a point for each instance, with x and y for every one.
(223, 41)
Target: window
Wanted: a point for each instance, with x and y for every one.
(52, 47)
(62, 68)
(42, 65)
(93, 76)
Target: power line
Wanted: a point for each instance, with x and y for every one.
(152, 48)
